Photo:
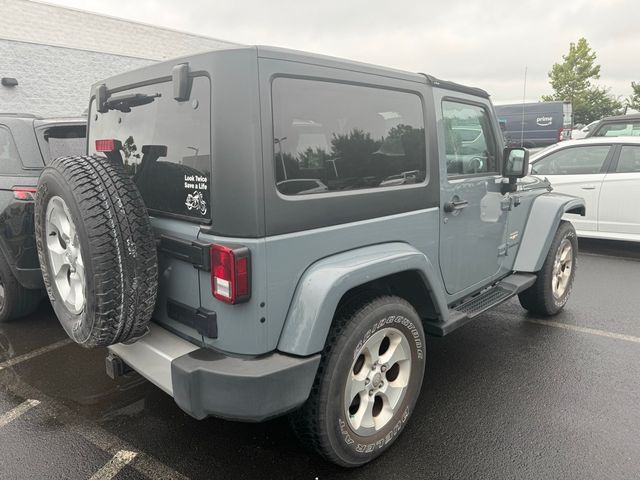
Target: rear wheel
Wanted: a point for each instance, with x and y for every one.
(549, 294)
(367, 384)
(15, 300)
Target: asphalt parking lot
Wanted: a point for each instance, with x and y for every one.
(507, 396)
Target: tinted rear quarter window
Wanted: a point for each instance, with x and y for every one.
(62, 141)
(331, 137)
(165, 147)
(9, 158)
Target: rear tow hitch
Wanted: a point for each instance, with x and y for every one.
(115, 366)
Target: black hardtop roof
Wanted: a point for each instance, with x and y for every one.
(436, 82)
(19, 115)
(261, 51)
(42, 120)
(60, 120)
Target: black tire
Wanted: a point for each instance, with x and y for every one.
(539, 298)
(322, 422)
(116, 245)
(15, 300)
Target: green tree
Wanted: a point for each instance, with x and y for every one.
(597, 103)
(634, 100)
(313, 158)
(572, 80)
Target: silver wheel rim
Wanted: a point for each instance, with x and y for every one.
(64, 255)
(562, 269)
(377, 381)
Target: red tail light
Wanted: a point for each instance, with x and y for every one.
(24, 193)
(108, 145)
(560, 132)
(230, 273)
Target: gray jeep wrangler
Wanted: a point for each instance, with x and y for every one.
(261, 232)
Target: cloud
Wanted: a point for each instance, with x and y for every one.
(484, 43)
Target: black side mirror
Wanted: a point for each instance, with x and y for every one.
(515, 163)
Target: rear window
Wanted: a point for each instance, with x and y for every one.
(626, 129)
(62, 141)
(9, 158)
(166, 147)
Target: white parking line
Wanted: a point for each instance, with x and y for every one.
(28, 356)
(591, 331)
(11, 415)
(120, 460)
(146, 464)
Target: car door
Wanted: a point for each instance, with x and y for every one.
(620, 195)
(579, 171)
(473, 219)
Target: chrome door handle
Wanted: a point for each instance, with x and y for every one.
(587, 187)
(455, 206)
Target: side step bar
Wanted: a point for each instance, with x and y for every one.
(474, 306)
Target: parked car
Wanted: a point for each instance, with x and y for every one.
(605, 171)
(27, 144)
(581, 132)
(537, 124)
(274, 301)
(618, 126)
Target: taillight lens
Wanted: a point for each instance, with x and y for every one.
(560, 132)
(24, 193)
(230, 273)
(108, 145)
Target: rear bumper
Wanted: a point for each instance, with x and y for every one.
(208, 383)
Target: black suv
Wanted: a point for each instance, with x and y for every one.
(27, 144)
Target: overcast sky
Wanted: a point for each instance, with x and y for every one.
(481, 43)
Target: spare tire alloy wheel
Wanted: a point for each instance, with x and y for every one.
(96, 250)
(368, 382)
(64, 255)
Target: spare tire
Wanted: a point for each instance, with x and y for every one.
(96, 249)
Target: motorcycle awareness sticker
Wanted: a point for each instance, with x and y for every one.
(195, 185)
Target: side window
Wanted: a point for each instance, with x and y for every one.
(9, 158)
(469, 139)
(573, 161)
(629, 161)
(332, 137)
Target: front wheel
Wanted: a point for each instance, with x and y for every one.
(549, 294)
(367, 384)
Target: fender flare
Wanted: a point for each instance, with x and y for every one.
(544, 218)
(324, 283)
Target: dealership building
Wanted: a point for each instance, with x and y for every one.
(50, 55)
